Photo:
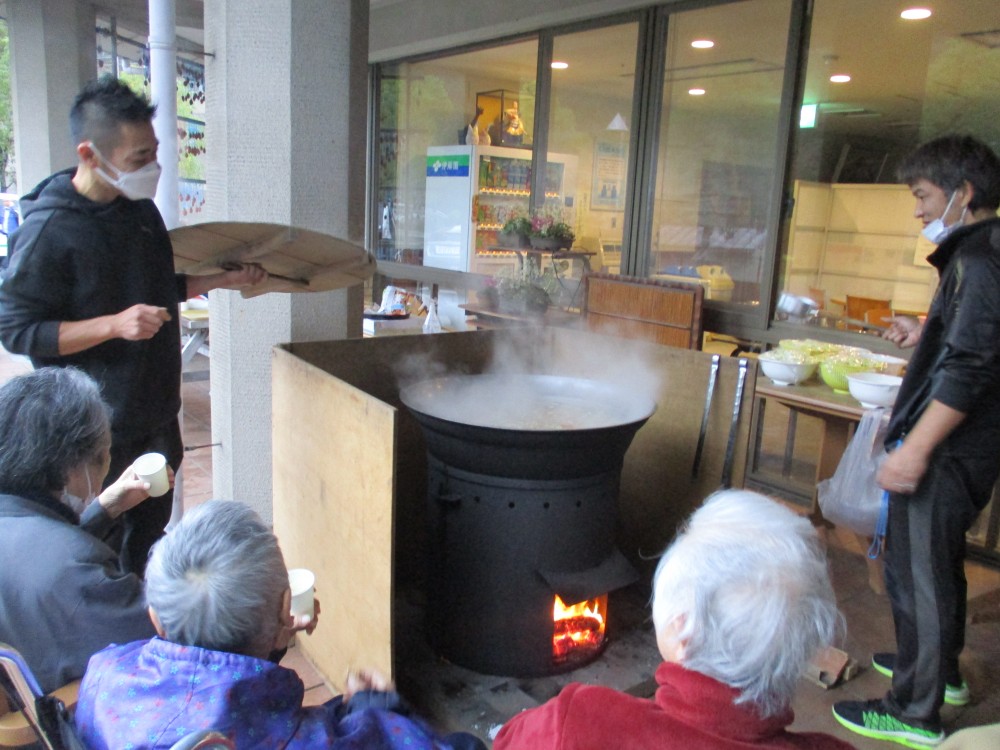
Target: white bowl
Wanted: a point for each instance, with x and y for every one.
(889, 365)
(786, 373)
(874, 389)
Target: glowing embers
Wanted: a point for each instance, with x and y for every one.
(578, 630)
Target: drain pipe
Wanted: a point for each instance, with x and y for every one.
(163, 88)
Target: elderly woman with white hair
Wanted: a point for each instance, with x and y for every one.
(63, 595)
(218, 595)
(741, 602)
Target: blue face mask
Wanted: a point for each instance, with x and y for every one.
(936, 231)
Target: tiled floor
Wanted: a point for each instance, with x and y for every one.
(459, 699)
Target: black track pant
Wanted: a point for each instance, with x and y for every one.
(140, 527)
(925, 579)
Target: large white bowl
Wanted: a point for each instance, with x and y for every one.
(786, 373)
(874, 389)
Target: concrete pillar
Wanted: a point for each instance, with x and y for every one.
(53, 53)
(286, 101)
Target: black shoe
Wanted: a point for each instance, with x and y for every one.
(954, 695)
(872, 719)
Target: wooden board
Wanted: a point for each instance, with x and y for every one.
(663, 312)
(318, 261)
(334, 451)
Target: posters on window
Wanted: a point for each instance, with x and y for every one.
(608, 190)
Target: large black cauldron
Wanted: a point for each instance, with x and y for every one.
(523, 477)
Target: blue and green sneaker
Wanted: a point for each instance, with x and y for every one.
(954, 695)
(872, 719)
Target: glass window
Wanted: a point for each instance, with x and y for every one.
(877, 85)
(590, 113)
(716, 163)
(428, 165)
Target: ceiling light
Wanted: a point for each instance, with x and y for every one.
(840, 78)
(696, 92)
(916, 14)
(703, 44)
(557, 65)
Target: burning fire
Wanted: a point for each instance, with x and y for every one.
(578, 628)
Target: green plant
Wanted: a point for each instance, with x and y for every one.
(524, 284)
(517, 225)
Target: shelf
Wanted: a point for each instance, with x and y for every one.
(505, 192)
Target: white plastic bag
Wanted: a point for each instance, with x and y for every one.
(851, 498)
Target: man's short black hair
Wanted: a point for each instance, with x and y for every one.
(950, 161)
(102, 107)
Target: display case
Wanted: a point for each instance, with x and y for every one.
(471, 193)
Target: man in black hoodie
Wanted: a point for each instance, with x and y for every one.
(91, 284)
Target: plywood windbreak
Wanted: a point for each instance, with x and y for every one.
(333, 452)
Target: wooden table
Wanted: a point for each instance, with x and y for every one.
(838, 413)
(194, 328)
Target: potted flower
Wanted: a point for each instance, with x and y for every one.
(523, 290)
(550, 233)
(514, 233)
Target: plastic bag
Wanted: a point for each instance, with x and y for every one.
(851, 498)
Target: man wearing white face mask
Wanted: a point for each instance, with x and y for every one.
(91, 283)
(944, 443)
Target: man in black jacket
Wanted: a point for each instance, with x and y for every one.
(91, 284)
(944, 438)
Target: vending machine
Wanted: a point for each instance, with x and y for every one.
(471, 193)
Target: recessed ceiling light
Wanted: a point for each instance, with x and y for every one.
(557, 65)
(840, 78)
(696, 92)
(703, 44)
(916, 14)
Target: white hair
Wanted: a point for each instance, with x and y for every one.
(745, 590)
(217, 580)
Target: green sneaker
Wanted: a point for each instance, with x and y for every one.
(883, 663)
(872, 719)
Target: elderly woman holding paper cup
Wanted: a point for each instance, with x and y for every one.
(63, 596)
(221, 599)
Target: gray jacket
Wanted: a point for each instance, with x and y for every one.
(62, 595)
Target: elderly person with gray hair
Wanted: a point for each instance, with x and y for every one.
(741, 601)
(218, 594)
(63, 596)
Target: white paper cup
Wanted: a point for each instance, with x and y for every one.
(302, 582)
(152, 468)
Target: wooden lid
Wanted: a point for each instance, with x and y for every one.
(300, 260)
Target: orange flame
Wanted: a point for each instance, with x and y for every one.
(578, 628)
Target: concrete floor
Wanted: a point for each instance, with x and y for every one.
(456, 698)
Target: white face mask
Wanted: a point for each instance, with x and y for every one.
(135, 185)
(76, 503)
(936, 231)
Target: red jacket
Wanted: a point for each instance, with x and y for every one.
(690, 712)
